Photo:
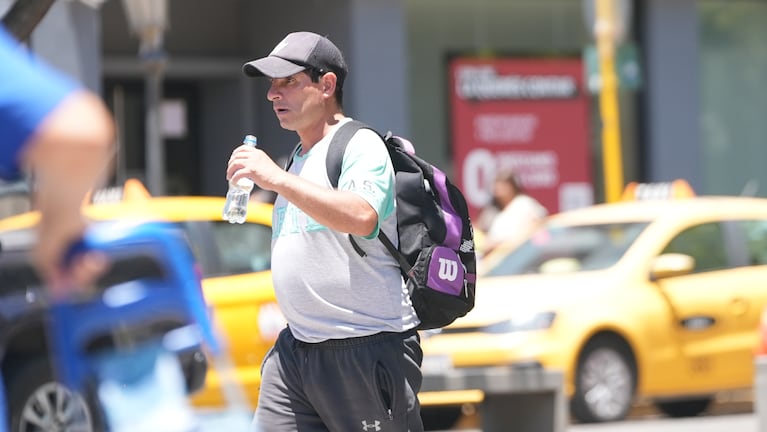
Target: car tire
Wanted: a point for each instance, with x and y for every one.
(605, 381)
(440, 417)
(684, 408)
(38, 402)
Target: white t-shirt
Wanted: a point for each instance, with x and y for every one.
(325, 289)
(517, 220)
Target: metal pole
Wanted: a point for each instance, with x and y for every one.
(155, 149)
(612, 159)
(118, 100)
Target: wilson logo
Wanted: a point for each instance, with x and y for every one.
(448, 269)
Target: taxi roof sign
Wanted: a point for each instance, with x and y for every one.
(676, 189)
(131, 190)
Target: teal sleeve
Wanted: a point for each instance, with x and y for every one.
(367, 171)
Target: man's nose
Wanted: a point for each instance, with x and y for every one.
(272, 94)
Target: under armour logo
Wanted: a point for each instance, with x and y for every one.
(448, 269)
(376, 426)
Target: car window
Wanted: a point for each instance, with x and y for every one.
(756, 240)
(705, 243)
(563, 249)
(240, 249)
(243, 248)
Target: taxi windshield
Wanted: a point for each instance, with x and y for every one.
(567, 249)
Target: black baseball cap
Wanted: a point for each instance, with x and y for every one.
(297, 52)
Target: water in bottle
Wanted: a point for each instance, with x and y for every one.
(236, 206)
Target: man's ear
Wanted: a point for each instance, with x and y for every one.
(329, 81)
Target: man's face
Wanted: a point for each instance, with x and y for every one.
(297, 101)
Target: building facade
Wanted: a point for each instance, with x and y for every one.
(695, 115)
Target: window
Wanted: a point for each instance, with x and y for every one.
(703, 242)
(559, 249)
(733, 99)
(756, 240)
(243, 248)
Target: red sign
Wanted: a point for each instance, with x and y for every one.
(530, 115)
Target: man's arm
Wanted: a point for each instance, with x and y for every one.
(341, 211)
(64, 134)
(69, 153)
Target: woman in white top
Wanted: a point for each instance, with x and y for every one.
(520, 213)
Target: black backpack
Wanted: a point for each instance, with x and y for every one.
(436, 239)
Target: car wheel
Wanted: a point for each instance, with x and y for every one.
(684, 408)
(440, 418)
(37, 402)
(605, 381)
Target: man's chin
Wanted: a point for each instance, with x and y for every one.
(286, 123)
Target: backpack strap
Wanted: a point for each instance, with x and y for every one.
(334, 160)
(404, 266)
(293, 154)
(337, 147)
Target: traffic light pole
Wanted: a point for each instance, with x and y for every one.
(612, 159)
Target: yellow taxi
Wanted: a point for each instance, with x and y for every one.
(235, 262)
(652, 300)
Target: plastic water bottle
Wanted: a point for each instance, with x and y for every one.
(236, 207)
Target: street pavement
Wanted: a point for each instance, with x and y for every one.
(718, 423)
(715, 423)
(736, 416)
(732, 415)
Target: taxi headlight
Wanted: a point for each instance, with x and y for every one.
(536, 321)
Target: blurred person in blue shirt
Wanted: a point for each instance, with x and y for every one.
(63, 134)
(54, 128)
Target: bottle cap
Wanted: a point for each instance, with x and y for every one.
(250, 140)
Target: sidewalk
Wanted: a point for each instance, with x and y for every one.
(739, 405)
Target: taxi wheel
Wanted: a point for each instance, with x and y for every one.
(605, 381)
(37, 402)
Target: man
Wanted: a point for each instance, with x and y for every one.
(350, 357)
(63, 134)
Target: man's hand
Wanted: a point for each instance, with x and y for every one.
(253, 163)
(342, 211)
(56, 236)
(69, 154)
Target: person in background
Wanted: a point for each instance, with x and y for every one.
(350, 357)
(486, 216)
(63, 134)
(519, 215)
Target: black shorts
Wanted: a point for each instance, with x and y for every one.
(366, 384)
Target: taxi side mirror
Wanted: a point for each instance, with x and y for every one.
(670, 265)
